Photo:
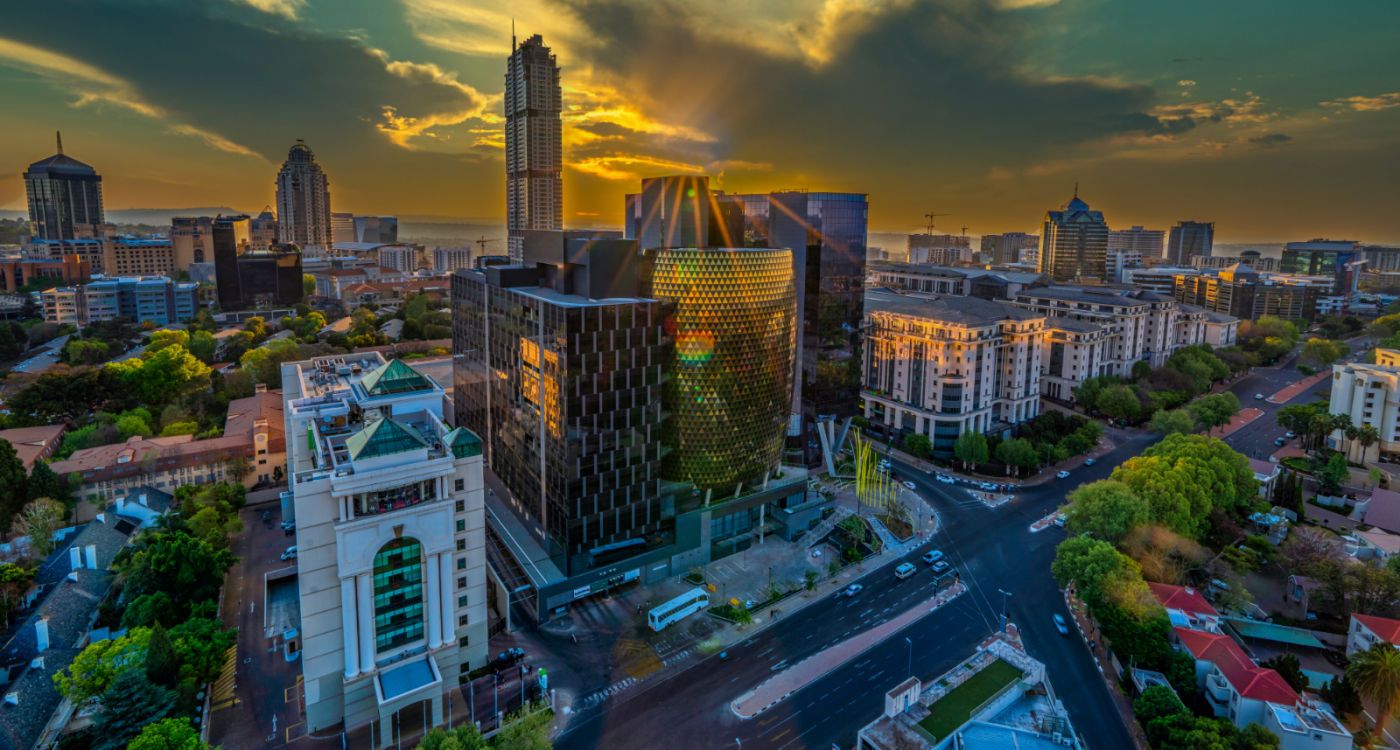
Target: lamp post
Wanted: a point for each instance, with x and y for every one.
(911, 656)
(1004, 595)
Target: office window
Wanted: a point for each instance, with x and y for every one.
(398, 594)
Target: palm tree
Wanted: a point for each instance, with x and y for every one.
(1367, 435)
(1376, 675)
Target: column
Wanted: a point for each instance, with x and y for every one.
(365, 584)
(433, 596)
(349, 621)
(449, 602)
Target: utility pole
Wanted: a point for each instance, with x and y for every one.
(911, 656)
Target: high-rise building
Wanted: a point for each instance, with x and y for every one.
(940, 249)
(1188, 240)
(303, 202)
(192, 238)
(64, 196)
(342, 227)
(449, 259)
(1340, 259)
(1146, 243)
(534, 143)
(1242, 292)
(388, 503)
(1074, 243)
(139, 299)
(403, 258)
(1007, 247)
(253, 278)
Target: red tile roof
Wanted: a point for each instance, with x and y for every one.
(1249, 679)
(1383, 627)
(1187, 600)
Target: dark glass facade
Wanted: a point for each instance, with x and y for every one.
(250, 279)
(63, 194)
(566, 393)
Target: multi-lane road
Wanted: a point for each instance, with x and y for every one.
(992, 549)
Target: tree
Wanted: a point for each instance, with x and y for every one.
(14, 485)
(256, 325)
(97, 666)
(308, 285)
(1215, 410)
(1087, 393)
(1290, 669)
(1322, 352)
(14, 584)
(1366, 436)
(44, 483)
(129, 704)
(918, 446)
(158, 378)
(203, 346)
(1107, 510)
(971, 449)
(1308, 547)
(167, 337)
(188, 569)
(1375, 673)
(1341, 695)
(130, 424)
(1118, 401)
(464, 737)
(1018, 453)
(174, 734)
(1163, 554)
(162, 666)
(1155, 702)
(1332, 475)
(525, 732)
(1184, 477)
(1089, 564)
(85, 352)
(1171, 421)
(39, 520)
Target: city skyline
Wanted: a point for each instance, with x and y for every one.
(1185, 121)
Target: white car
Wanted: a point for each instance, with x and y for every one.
(852, 590)
(1062, 474)
(944, 478)
(289, 554)
(909, 484)
(1258, 397)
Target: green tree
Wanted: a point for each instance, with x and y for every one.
(97, 666)
(85, 352)
(971, 449)
(1119, 402)
(1332, 475)
(1366, 436)
(129, 425)
(1184, 477)
(1290, 669)
(1107, 510)
(918, 446)
(1171, 421)
(1018, 453)
(161, 377)
(174, 734)
(464, 737)
(129, 704)
(1215, 410)
(44, 483)
(308, 285)
(39, 520)
(203, 346)
(1155, 702)
(1091, 565)
(14, 485)
(1375, 673)
(1087, 393)
(162, 666)
(188, 569)
(256, 325)
(168, 337)
(15, 581)
(525, 732)
(1322, 352)
(200, 645)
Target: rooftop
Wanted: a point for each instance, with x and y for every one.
(1183, 598)
(1247, 678)
(31, 442)
(947, 308)
(1383, 627)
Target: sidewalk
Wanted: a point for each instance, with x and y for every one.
(809, 670)
(1104, 660)
(1288, 393)
(1237, 422)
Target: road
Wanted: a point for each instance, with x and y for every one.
(43, 358)
(1256, 439)
(993, 549)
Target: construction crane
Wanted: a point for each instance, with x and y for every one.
(481, 243)
(931, 216)
(964, 231)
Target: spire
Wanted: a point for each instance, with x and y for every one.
(59, 135)
(512, 34)
(1076, 188)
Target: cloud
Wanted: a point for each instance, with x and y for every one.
(623, 166)
(1366, 103)
(1181, 117)
(1271, 139)
(288, 9)
(93, 86)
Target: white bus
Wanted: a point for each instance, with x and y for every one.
(678, 609)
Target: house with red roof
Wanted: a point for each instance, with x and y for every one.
(1186, 607)
(1368, 630)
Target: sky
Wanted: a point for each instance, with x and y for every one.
(1276, 119)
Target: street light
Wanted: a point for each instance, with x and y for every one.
(1004, 595)
(911, 656)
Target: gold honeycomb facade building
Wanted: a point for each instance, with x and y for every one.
(730, 388)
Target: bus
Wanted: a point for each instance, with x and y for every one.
(678, 609)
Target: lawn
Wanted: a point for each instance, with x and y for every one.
(953, 709)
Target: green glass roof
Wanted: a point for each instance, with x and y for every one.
(395, 376)
(383, 437)
(463, 442)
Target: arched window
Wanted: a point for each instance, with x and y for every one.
(398, 594)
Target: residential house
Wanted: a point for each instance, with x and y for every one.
(1266, 473)
(1368, 630)
(34, 443)
(1186, 607)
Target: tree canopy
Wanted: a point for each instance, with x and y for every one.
(1106, 510)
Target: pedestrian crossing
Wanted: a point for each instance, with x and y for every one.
(598, 696)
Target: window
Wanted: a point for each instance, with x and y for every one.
(459, 485)
(461, 545)
(462, 600)
(461, 583)
(398, 594)
(463, 643)
(460, 506)
(461, 525)
(461, 563)
(462, 621)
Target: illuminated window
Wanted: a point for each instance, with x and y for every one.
(398, 594)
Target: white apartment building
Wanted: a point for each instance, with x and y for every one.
(390, 528)
(449, 259)
(1369, 394)
(400, 257)
(1071, 352)
(943, 365)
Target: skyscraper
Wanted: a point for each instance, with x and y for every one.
(65, 197)
(1074, 243)
(534, 143)
(1190, 239)
(1008, 247)
(303, 202)
(253, 278)
(1146, 243)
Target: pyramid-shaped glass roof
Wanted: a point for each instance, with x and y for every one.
(395, 376)
(463, 442)
(382, 437)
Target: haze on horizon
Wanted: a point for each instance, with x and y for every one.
(1277, 120)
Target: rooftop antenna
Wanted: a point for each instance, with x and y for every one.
(59, 135)
(1076, 188)
(512, 33)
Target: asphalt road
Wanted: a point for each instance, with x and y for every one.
(1256, 439)
(42, 358)
(993, 549)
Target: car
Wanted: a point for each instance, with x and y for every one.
(852, 590)
(267, 518)
(1062, 474)
(933, 556)
(1060, 624)
(944, 478)
(904, 570)
(1258, 397)
(1290, 434)
(990, 486)
(289, 553)
(1089, 462)
(1280, 441)
(909, 484)
(941, 567)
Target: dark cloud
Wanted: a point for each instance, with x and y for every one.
(1271, 139)
(247, 76)
(938, 83)
(605, 129)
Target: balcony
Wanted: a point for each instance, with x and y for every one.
(1218, 691)
(387, 501)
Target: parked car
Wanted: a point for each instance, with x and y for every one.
(1088, 462)
(941, 567)
(1280, 441)
(1062, 474)
(909, 484)
(944, 478)
(289, 553)
(933, 556)
(1258, 397)
(1060, 624)
(852, 590)
(1290, 434)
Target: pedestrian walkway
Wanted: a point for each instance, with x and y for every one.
(1288, 393)
(811, 669)
(1237, 422)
